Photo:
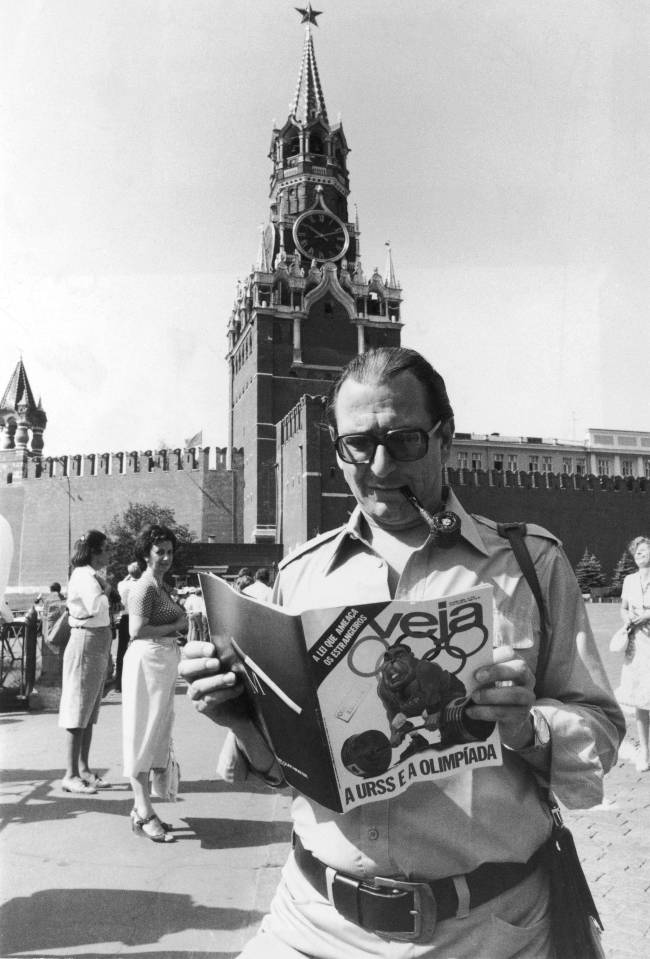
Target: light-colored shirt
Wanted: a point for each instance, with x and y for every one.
(123, 587)
(87, 603)
(490, 814)
(259, 591)
(635, 596)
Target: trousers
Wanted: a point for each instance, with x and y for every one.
(301, 924)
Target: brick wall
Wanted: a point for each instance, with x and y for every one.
(45, 510)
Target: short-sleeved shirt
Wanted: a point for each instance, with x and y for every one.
(493, 814)
(152, 602)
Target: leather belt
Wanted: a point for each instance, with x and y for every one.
(403, 910)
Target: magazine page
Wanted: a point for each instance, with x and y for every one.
(359, 702)
(266, 645)
(390, 679)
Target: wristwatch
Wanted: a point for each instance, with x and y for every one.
(541, 733)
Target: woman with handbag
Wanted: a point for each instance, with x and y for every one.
(85, 660)
(634, 689)
(149, 677)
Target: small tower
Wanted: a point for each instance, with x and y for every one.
(20, 416)
(307, 307)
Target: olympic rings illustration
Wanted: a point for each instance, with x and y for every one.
(367, 661)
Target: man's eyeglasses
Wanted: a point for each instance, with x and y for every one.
(405, 445)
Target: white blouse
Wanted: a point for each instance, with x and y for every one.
(87, 603)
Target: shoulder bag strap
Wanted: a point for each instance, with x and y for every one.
(515, 533)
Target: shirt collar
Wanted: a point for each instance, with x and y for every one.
(354, 530)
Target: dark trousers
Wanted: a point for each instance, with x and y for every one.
(122, 643)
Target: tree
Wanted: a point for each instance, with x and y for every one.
(623, 568)
(589, 572)
(123, 531)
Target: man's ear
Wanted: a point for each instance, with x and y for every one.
(446, 441)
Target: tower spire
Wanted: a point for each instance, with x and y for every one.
(308, 102)
(390, 278)
(19, 413)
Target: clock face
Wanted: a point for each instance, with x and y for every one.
(320, 236)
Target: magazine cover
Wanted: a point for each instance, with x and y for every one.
(359, 702)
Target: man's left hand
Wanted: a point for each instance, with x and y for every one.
(505, 694)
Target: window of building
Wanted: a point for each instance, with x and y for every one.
(512, 462)
(533, 466)
(477, 461)
(581, 466)
(462, 460)
(627, 466)
(646, 467)
(603, 466)
(498, 463)
(567, 464)
(547, 464)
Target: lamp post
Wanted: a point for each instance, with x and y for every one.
(63, 460)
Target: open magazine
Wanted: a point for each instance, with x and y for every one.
(359, 702)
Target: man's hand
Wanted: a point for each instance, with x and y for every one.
(505, 694)
(211, 689)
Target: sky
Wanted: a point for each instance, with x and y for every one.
(501, 146)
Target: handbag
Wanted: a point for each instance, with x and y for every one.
(575, 924)
(165, 782)
(621, 639)
(58, 633)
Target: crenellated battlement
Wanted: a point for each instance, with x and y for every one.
(508, 479)
(201, 459)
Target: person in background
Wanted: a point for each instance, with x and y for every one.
(452, 867)
(85, 660)
(243, 582)
(133, 574)
(149, 676)
(196, 616)
(53, 607)
(634, 689)
(260, 589)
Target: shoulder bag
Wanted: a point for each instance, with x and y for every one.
(58, 633)
(575, 923)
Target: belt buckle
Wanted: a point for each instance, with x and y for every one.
(424, 911)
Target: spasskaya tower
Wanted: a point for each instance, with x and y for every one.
(307, 307)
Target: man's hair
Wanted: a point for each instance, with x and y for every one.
(636, 542)
(133, 569)
(88, 546)
(149, 535)
(55, 587)
(245, 571)
(385, 363)
(262, 575)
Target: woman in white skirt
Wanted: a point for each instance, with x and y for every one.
(85, 661)
(149, 676)
(635, 672)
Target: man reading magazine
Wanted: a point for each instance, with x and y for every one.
(450, 868)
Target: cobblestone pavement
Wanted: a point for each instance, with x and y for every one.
(613, 841)
(76, 882)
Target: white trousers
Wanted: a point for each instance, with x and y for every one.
(301, 924)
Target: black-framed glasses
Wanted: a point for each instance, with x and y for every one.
(403, 445)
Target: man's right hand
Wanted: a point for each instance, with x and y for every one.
(213, 691)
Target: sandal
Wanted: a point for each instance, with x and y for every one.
(138, 824)
(77, 785)
(96, 781)
(166, 826)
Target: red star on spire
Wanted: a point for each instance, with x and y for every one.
(308, 15)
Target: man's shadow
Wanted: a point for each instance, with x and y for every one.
(66, 918)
